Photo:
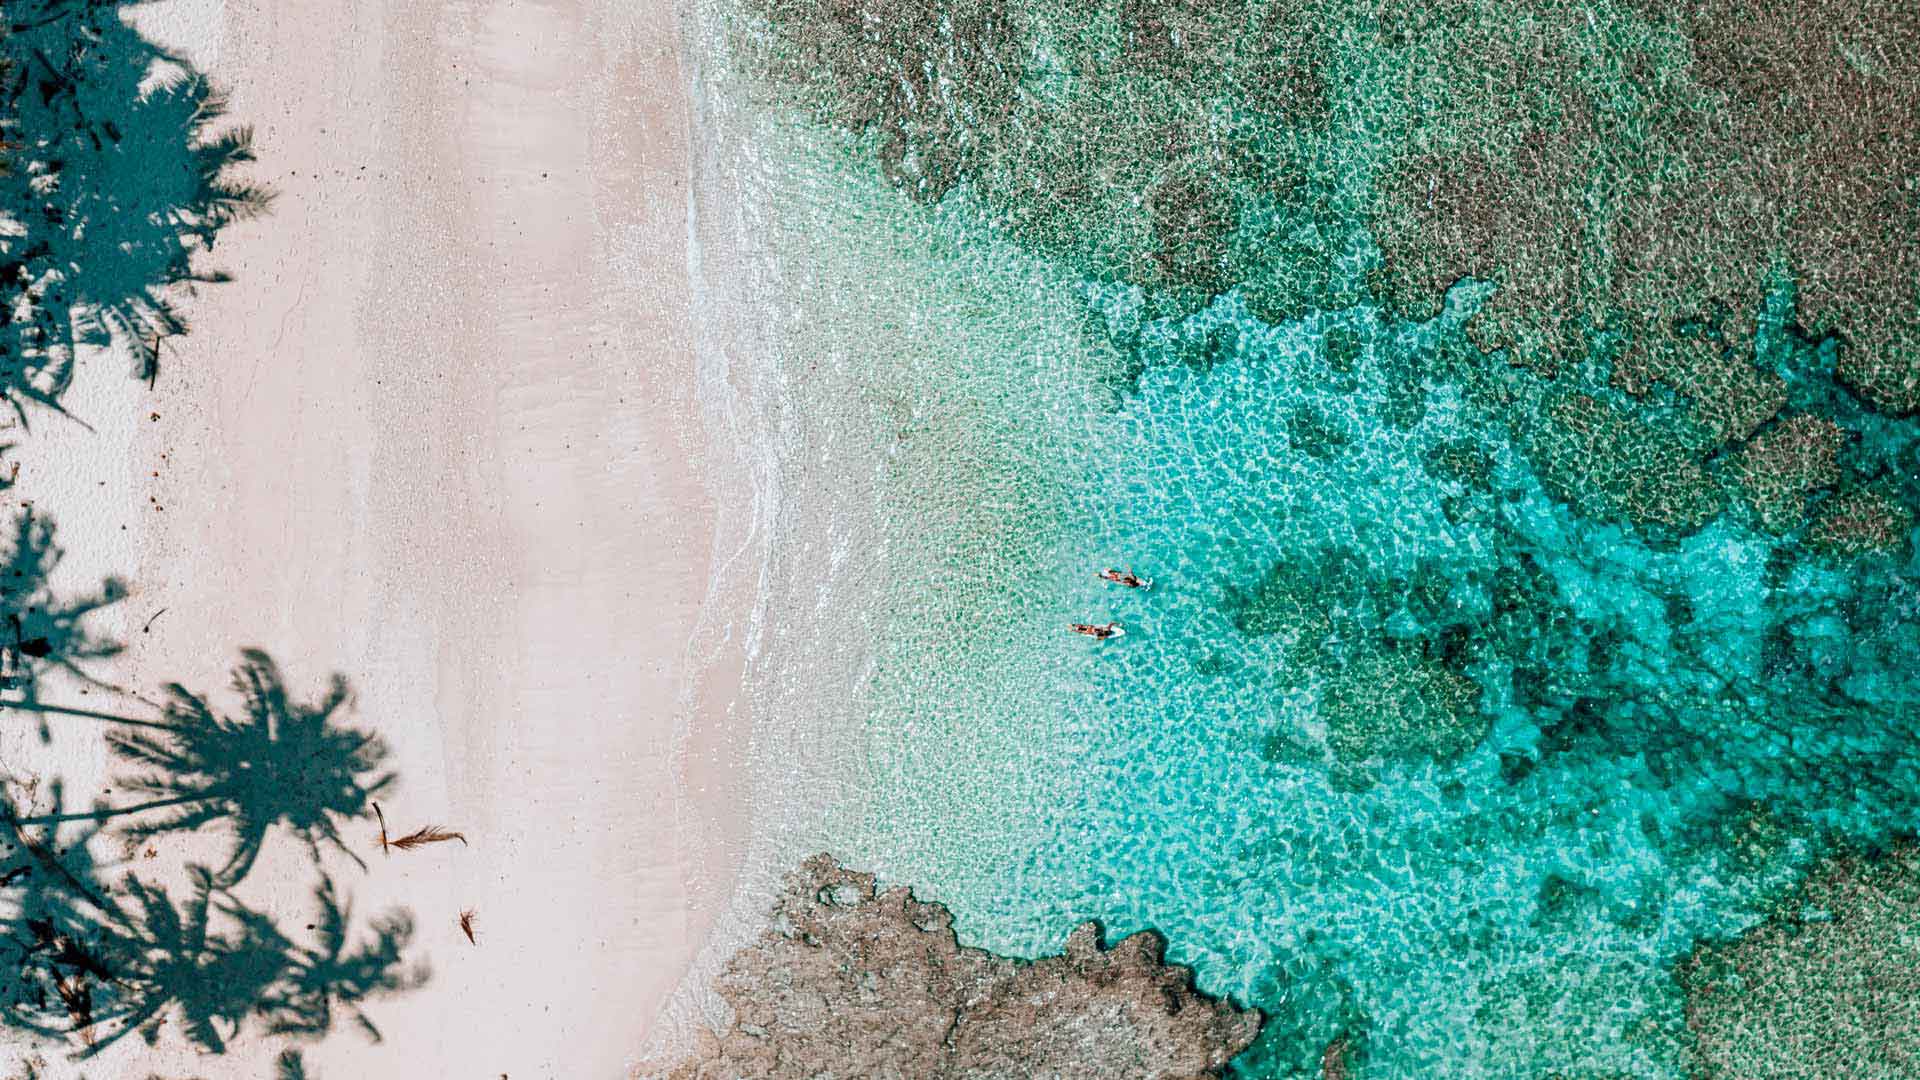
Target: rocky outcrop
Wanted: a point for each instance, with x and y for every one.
(852, 982)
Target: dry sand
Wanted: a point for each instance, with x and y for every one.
(440, 434)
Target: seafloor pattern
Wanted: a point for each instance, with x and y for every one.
(1513, 405)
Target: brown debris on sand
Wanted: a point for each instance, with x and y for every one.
(427, 834)
(850, 981)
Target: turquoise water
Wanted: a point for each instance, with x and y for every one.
(1509, 913)
(1400, 747)
(1660, 739)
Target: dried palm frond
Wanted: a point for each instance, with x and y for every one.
(77, 996)
(427, 834)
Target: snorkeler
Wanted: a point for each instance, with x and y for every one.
(1125, 577)
(1097, 631)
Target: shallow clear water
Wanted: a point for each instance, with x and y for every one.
(1398, 747)
(1510, 912)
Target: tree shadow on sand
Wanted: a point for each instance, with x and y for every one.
(204, 965)
(91, 962)
(116, 175)
(278, 763)
(39, 630)
(119, 175)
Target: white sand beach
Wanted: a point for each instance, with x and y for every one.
(440, 435)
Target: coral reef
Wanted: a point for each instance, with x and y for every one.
(1624, 172)
(850, 981)
(1612, 463)
(1135, 140)
(933, 81)
(1503, 651)
(1638, 182)
(1379, 699)
(1780, 467)
(1861, 520)
(1297, 596)
(1644, 173)
(1829, 986)
(1398, 703)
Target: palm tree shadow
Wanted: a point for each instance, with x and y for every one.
(40, 631)
(117, 177)
(186, 959)
(290, 1065)
(150, 959)
(209, 962)
(121, 176)
(277, 763)
(93, 964)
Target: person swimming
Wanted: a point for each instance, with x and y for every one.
(1097, 631)
(1124, 577)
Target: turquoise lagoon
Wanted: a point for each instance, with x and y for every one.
(1398, 748)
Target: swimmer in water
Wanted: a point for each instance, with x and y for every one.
(1123, 577)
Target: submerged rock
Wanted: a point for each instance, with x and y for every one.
(1829, 986)
(852, 982)
(1860, 521)
(1396, 703)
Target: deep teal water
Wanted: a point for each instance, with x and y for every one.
(1663, 734)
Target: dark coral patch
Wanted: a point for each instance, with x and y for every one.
(1779, 468)
(1829, 986)
(1611, 463)
(1860, 521)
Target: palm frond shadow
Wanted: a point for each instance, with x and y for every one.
(202, 965)
(332, 976)
(167, 957)
(55, 899)
(290, 1065)
(121, 175)
(95, 961)
(276, 763)
(40, 631)
(52, 869)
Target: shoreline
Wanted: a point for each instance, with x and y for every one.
(784, 556)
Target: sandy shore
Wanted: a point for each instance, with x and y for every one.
(440, 434)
